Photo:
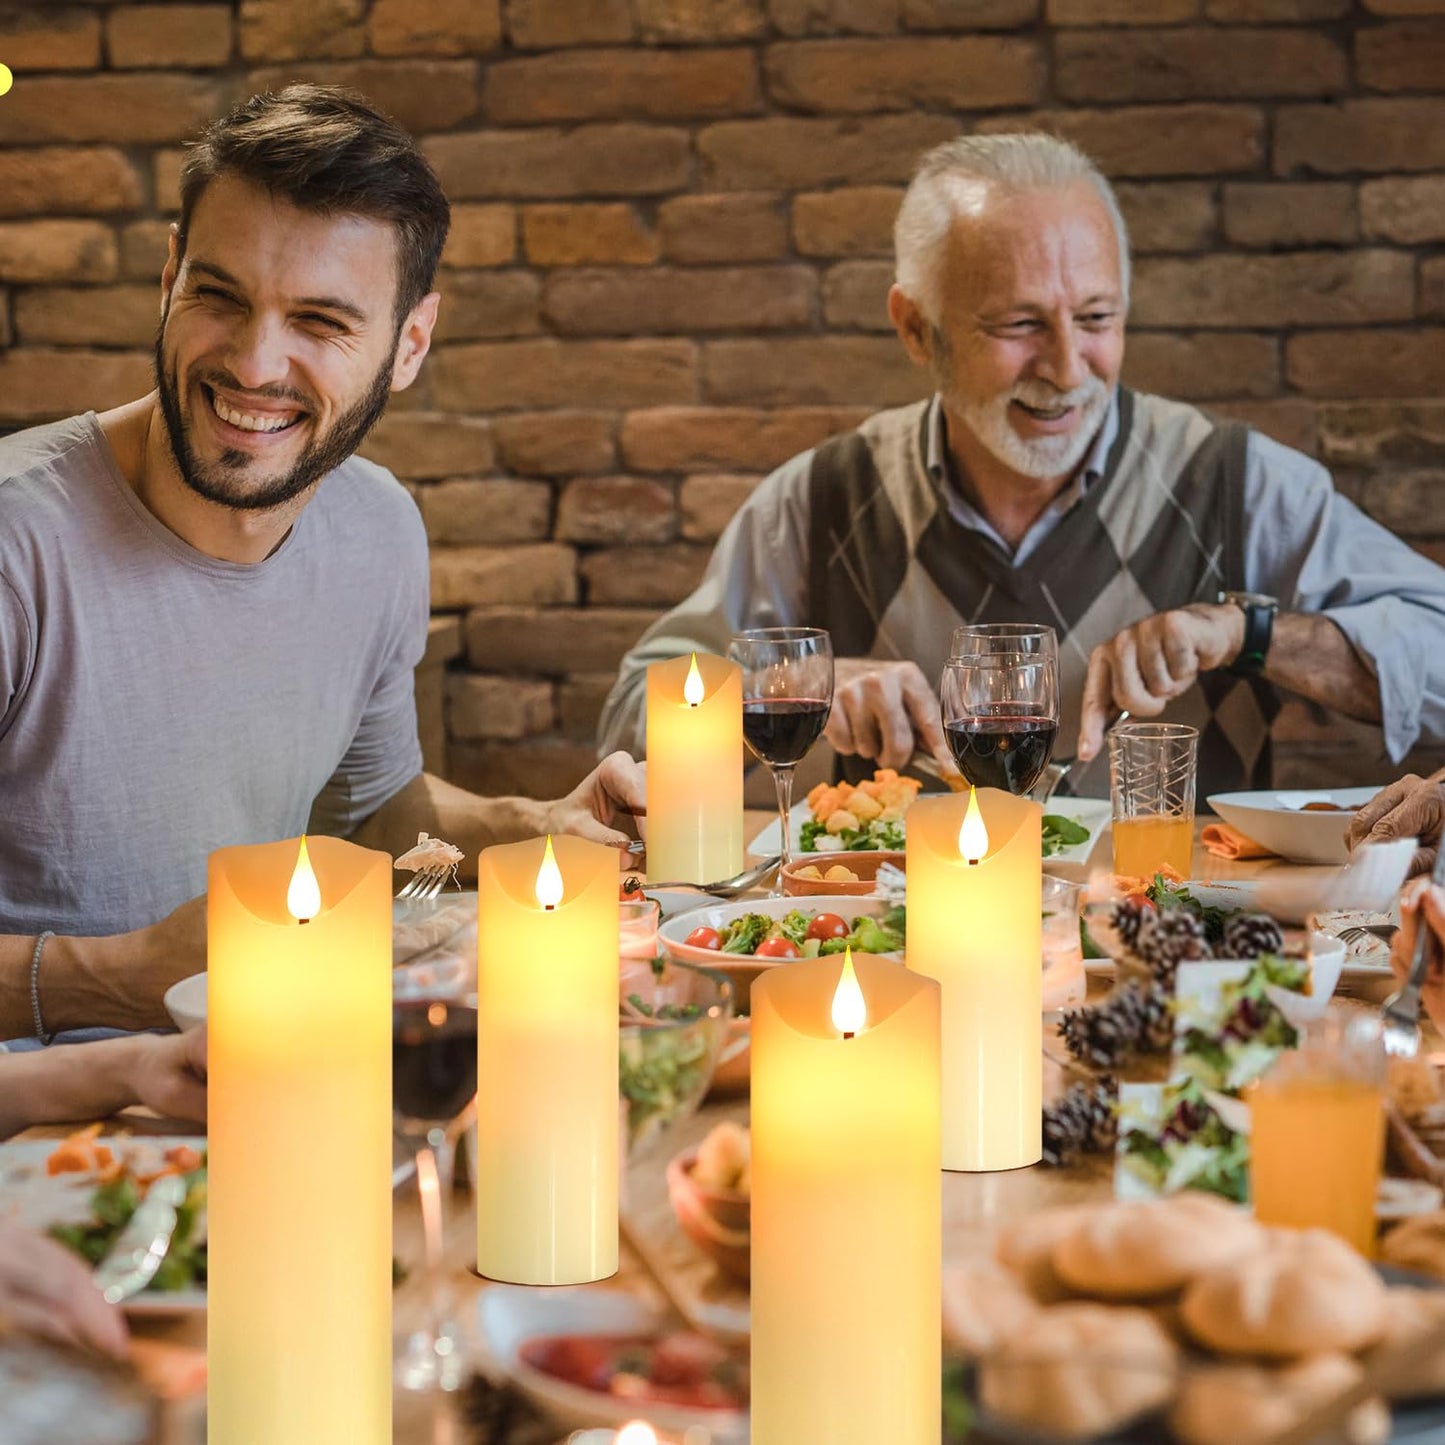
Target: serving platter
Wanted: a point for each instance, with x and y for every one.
(1281, 821)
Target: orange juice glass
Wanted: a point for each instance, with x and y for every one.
(1142, 846)
(1151, 782)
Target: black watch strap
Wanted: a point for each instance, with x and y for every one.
(1258, 629)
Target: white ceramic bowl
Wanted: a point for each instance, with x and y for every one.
(186, 1001)
(1278, 821)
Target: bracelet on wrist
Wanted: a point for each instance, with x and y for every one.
(35, 1013)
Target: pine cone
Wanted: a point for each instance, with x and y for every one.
(1132, 1020)
(1129, 913)
(1084, 1121)
(1169, 938)
(1247, 935)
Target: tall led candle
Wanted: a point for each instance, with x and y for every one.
(846, 1205)
(299, 1208)
(547, 1115)
(976, 926)
(694, 768)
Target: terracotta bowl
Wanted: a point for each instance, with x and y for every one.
(718, 1221)
(865, 865)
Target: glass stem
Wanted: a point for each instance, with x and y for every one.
(783, 781)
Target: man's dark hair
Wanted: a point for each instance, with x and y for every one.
(327, 150)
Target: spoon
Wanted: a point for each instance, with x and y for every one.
(723, 888)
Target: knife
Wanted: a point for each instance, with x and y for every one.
(137, 1253)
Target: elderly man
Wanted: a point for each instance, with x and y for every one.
(1190, 566)
(210, 609)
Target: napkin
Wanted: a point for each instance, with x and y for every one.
(1226, 842)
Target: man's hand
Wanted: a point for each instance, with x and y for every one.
(1412, 807)
(1146, 666)
(618, 784)
(47, 1290)
(168, 1073)
(1422, 905)
(883, 710)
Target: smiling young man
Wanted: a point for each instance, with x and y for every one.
(210, 608)
(1189, 566)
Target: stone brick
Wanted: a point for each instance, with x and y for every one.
(968, 14)
(484, 305)
(855, 221)
(88, 316)
(465, 511)
(528, 768)
(1301, 289)
(1296, 213)
(976, 73)
(539, 576)
(50, 37)
(607, 84)
(423, 445)
(1408, 210)
(443, 641)
(421, 95)
(1167, 216)
(855, 295)
(1203, 365)
(179, 37)
(1405, 56)
(789, 153)
(808, 371)
(435, 27)
(1265, 12)
(1381, 362)
(643, 576)
(1289, 421)
(1371, 135)
(57, 251)
(553, 641)
(58, 181)
(706, 503)
(550, 24)
(556, 443)
(1172, 140)
(599, 160)
(166, 168)
(686, 438)
(1120, 12)
(595, 510)
(612, 234)
(1212, 64)
(1411, 504)
(114, 109)
(1386, 434)
(692, 21)
(1432, 288)
(283, 30)
(481, 236)
(579, 703)
(668, 302)
(736, 227)
(546, 372)
(38, 384)
(143, 247)
(481, 706)
(834, 17)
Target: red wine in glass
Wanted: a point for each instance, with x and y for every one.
(781, 730)
(433, 1058)
(1002, 750)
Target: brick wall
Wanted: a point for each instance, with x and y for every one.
(670, 255)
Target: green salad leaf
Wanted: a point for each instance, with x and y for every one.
(1061, 833)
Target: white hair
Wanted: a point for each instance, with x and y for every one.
(954, 176)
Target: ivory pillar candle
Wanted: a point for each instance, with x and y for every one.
(547, 1113)
(694, 768)
(976, 928)
(299, 1049)
(846, 1206)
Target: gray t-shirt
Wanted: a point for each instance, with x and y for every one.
(156, 703)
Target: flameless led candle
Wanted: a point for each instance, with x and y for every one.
(846, 1204)
(299, 1202)
(547, 1116)
(975, 871)
(694, 768)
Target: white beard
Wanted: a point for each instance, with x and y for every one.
(1045, 457)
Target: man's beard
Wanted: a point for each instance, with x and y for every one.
(226, 481)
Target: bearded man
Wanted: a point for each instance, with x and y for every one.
(1189, 565)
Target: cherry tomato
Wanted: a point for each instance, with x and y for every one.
(705, 938)
(778, 948)
(828, 925)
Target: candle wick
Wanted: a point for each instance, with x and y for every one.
(973, 862)
(303, 921)
(549, 908)
(848, 1034)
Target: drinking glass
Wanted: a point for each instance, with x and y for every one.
(1317, 1129)
(1065, 982)
(1151, 781)
(434, 1081)
(1000, 703)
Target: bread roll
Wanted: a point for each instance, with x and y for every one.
(1408, 1313)
(982, 1304)
(1027, 1247)
(1417, 1244)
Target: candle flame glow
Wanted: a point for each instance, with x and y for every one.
(549, 878)
(303, 897)
(973, 835)
(850, 1011)
(637, 1432)
(693, 690)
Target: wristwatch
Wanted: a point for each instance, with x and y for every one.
(1259, 610)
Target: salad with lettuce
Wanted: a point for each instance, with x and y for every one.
(805, 934)
(1187, 1144)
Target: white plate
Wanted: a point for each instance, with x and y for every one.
(679, 900)
(1275, 821)
(511, 1314)
(30, 1196)
(186, 1001)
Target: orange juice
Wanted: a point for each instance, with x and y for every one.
(1315, 1147)
(1142, 846)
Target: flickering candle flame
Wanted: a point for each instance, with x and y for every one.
(637, 1432)
(693, 690)
(850, 1011)
(549, 878)
(973, 835)
(303, 896)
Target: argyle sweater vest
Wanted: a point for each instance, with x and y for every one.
(891, 573)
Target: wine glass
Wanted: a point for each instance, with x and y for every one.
(1000, 703)
(434, 1083)
(787, 695)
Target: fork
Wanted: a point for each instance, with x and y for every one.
(1358, 932)
(425, 883)
(1400, 1017)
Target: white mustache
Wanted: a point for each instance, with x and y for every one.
(1041, 395)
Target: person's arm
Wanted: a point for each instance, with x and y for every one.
(47, 1290)
(1422, 905)
(1410, 807)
